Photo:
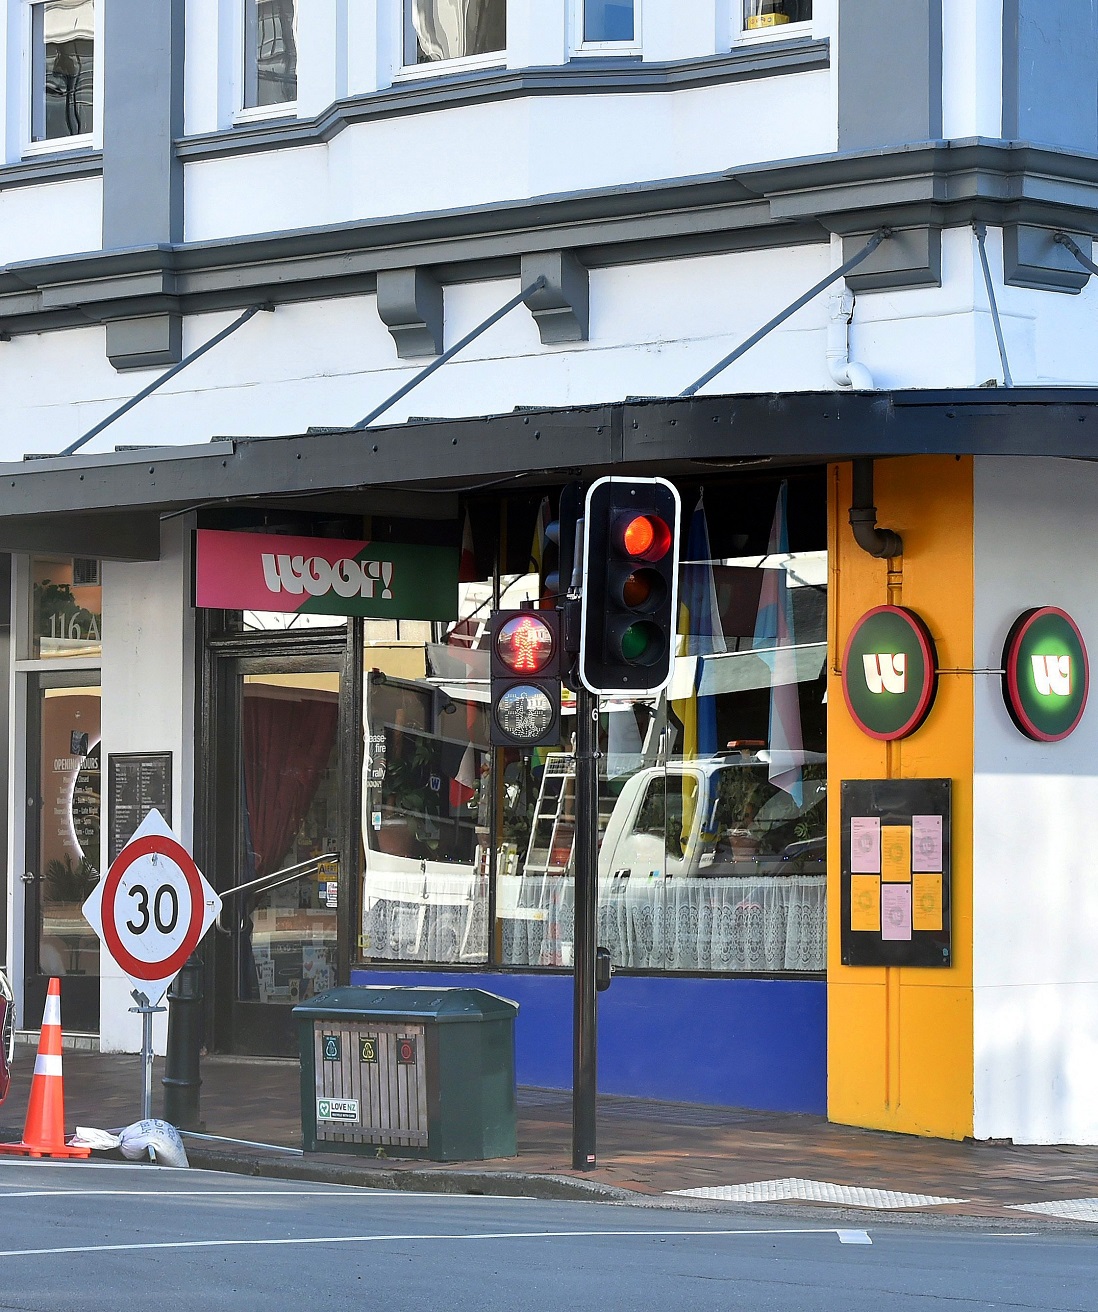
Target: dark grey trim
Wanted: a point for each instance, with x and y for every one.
(580, 77)
(798, 202)
(1033, 258)
(562, 307)
(150, 343)
(678, 436)
(911, 258)
(52, 168)
(134, 536)
(409, 304)
(1050, 52)
(889, 66)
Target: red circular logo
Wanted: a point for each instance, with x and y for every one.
(162, 846)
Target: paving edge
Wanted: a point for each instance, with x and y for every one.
(504, 1184)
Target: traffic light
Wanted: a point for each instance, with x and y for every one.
(525, 667)
(630, 585)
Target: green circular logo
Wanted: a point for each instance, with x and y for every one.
(1046, 675)
(890, 672)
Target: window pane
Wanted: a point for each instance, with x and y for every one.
(608, 20)
(761, 14)
(270, 52)
(453, 29)
(63, 71)
(66, 615)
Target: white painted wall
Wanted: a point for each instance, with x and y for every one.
(1035, 914)
(148, 706)
(972, 68)
(52, 219)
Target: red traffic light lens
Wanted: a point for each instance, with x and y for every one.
(525, 644)
(645, 537)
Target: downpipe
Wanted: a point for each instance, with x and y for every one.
(844, 371)
(882, 543)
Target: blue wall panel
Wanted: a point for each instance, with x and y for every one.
(729, 1042)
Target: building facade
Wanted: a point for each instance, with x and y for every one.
(331, 198)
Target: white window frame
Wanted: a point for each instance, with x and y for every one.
(24, 83)
(257, 113)
(741, 35)
(578, 46)
(440, 67)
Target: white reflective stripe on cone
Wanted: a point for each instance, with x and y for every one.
(44, 1065)
(52, 1013)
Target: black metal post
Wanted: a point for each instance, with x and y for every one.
(584, 1011)
(182, 1080)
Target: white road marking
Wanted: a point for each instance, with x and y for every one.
(179, 1193)
(813, 1191)
(853, 1237)
(417, 1238)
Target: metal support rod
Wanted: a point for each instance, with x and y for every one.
(165, 377)
(1062, 239)
(146, 1011)
(584, 1003)
(446, 356)
(980, 229)
(871, 245)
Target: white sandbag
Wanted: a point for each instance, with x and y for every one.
(99, 1141)
(156, 1138)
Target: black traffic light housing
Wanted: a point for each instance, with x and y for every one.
(525, 669)
(630, 585)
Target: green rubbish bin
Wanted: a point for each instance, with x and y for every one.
(408, 1072)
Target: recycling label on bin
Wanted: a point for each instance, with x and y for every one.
(337, 1109)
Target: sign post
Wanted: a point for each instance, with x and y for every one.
(151, 910)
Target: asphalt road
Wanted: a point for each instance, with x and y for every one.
(81, 1237)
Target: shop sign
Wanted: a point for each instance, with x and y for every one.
(324, 576)
(890, 672)
(1046, 674)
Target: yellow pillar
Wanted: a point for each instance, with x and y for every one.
(900, 1048)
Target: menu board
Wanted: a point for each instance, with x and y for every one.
(896, 872)
(136, 783)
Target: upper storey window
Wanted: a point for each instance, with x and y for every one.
(770, 15)
(439, 30)
(270, 53)
(62, 69)
(607, 26)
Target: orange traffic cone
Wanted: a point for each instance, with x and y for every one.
(44, 1128)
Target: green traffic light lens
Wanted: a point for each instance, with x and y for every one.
(642, 643)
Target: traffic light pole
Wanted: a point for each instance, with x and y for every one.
(584, 1010)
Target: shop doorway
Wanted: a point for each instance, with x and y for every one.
(62, 837)
(282, 750)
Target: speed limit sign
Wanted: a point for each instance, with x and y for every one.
(152, 907)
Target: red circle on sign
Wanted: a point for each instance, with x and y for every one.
(164, 846)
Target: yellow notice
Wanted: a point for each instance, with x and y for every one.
(896, 854)
(926, 902)
(865, 904)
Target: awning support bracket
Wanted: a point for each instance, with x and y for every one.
(215, 340)
(882, 234)
(980, 229)
(1062, 239)
(446, 356)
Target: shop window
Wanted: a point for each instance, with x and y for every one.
(770, 15)
(66, 609)
(62, 72)
(443, 30)
(609, 22)
(270, 53)
(712, 797)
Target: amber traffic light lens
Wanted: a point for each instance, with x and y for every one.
(525, 644)
(646, 537)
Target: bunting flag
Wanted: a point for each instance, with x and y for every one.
(774, 642)
(462, 788)
(467, 567)
(700, 634)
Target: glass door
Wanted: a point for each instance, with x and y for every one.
(280, 814)
(63, 852)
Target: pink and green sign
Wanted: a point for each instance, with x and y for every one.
(325, 576)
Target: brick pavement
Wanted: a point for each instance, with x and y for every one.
(646, 1148)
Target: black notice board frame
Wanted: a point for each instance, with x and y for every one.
(141, 765)
(894, 802)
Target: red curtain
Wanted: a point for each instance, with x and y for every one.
(286, 742)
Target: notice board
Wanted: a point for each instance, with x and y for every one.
(136, 783)
(896, 872)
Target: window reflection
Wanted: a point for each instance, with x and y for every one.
(67, 608)
(453, 29)
(270, 52)
(608, 20)
(63, 69)
(758, 15)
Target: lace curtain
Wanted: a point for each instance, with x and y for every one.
(451, 29)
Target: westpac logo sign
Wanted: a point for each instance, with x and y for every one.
(1052, 675)
(885, 672)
